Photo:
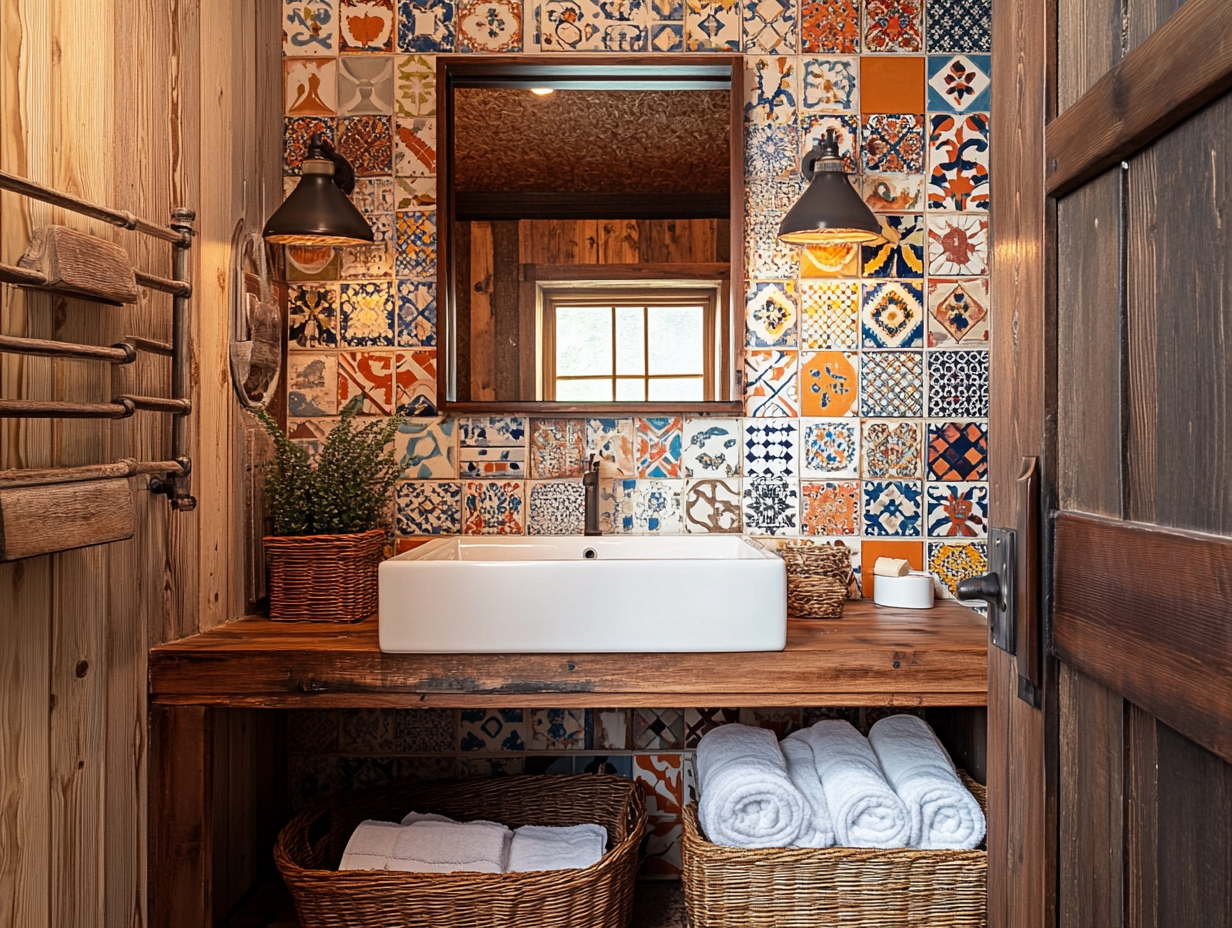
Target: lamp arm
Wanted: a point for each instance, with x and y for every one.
(344, 173)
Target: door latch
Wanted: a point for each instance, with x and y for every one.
(996, 589)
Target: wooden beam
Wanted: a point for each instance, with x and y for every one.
(474, 205)
(1118, 586)
(1185, 64)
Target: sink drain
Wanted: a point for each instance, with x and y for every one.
(590, 554)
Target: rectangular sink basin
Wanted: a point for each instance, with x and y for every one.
(571, 593)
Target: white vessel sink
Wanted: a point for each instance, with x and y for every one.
(571, 593)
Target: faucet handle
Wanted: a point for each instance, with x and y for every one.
(593, 463)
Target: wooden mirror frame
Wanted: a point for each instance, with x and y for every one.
(623, 72)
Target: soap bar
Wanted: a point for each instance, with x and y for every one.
(891, 567)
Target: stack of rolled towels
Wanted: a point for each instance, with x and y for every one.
(425, 843)
(829, 785)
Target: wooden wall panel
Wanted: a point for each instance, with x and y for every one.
(1142, 17)
(1088, 45)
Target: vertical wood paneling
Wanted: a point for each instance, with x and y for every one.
(618, 240)
(1088, 45)
(1143, 17)
(482, 319)
(1141, 818)
(507, 355)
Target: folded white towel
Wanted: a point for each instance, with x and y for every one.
(571, 847)
(802, 769)
(370, 846)
(412, 817)
(864, 810)
(747, 799)
(449, 847)
(944, 814)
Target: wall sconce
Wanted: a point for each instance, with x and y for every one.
(319, 211)
(830, 212)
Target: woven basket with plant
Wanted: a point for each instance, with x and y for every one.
(331, 516)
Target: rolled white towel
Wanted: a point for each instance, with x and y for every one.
(802, 769)
(570, 847)
(747, 799)
(449, 847)
(370, 846)
(864, 810)
(944, 814)
(412, 817)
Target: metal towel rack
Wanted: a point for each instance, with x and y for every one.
(172, 477)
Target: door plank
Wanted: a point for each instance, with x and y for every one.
(1144, 611)
(1141, 808)
(1088, 46)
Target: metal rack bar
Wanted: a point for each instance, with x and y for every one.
(174, 287)
(125, 467)
(44, 348)
(178, 487)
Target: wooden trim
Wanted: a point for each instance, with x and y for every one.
(1143, 610)
(600, 273)
(447, 288)
(1185, 64)
(474, 205)
(546, 409)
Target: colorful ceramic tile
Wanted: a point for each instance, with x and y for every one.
(487, 767)
(957, 451)
(489, 25)
(365, 262)
(313, 730)
(373, 196)
(767, 202)
(369, 374)
(492, 462)
(659, 776)
(892, 507)
(297, 132)
(312, 316)
(557, 729)
(426, 448)
(712, 26)
(416, 320)
(667, 37)
(771, 506)
(415, 86)
(617, 505)
(771, 447)
(310, 434)
(415, 146)
(492, 730)
(366, 731)
(416, 381)
(770, 149)
(871, 549)
(429, 507)
(655, 729)
(712, 506)
(416, 254)
(658, 446)
(837, 260)
(366, 86)
(885, 193)
(830, 27)
(959, 83)
(953, 563)
(957, 384)
(892, 384)
(959, 25)
(415, 193)
(780, 720)
(493, 507)
(957, 244)
(958, 313)
(422, 730)
(892, 84)
(426, 26)
(813, 129)
(829, 85)
(893, 143)
(586, 25)
(770, 383)
(367, 313)
(829, 312)
(557, 507)
(309, 27)
(367, 26)
(829, 384)
(367, 142)
(770, 27)
(557, 448)
(611, 729)
(612, 440)
(958, 162)
(892, 315)
(772, 90)
(830, 507)
(958, 510)
(892, 448)
(428, 767)
(697, 722)
(893, 25)
(656, 507)
(904, 258)
(311, 262)
(312, 384)
(492, 432)
(310, 86)
(711, 447)
(770, 314)
(830, 447)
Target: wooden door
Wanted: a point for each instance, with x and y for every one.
(1111, 789)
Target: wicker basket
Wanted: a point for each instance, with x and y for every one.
(816, 580)
(310, 847)
(324, 578)
(852, 887)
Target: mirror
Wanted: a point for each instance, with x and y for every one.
(590, 228)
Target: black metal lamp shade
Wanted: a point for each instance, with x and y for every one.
(318, 211)
(829, 212)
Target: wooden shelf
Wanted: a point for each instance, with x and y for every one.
(872, 656)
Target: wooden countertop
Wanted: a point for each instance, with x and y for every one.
(872, 656)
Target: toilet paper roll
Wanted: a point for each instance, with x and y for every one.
(912, 591)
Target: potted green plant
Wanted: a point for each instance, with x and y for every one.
(330, 518)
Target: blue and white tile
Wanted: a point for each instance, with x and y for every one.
(770, 149)
(892, 315)
(771, 447)
(312, 384)
(892, 508)
(426, 26)
(366, 731)
(771, 27)
(593, 25)
(416, 321)
(312, 316)
(958, 384)
(771, 383)
(492, 431)
(957, 510)
(557, 507)
(656, 507)
(427, 448)
(557, 729)
(667, 37)
(309, 27)
(362, 262)
(830, 448)
(773, 86)
(712, 26)
(491, 731)
(429, 507)
(618, 506)
(767, 201)
(959, 25)
(492, 462)
(422, 730)
(771, 506)
(959, 83)
(712, 447)
(892, 384)
(367, 313)
(771, 314)
(830, 85)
